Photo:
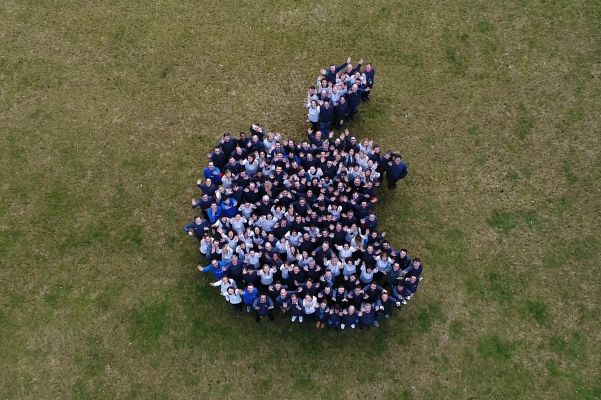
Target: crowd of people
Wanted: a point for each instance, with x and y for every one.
(337, 94)
(289, 228)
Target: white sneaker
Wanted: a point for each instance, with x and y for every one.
(293, 318)
(342, 326)
(353, 326)
(300, 319)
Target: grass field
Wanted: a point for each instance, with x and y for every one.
(108, 109)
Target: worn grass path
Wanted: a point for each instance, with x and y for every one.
(108, 109)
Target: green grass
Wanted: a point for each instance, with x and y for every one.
(107, 112)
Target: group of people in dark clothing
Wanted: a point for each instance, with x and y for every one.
(290, 227)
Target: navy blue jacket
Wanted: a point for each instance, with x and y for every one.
(411, 270)
(209, 190)
(331, 76)
(262, 308)
(235, 271)
(236, 168)
(388, 306)
(281, 302)
(326, 115)
(349, 319)
(368, 318)
(353, 99)
(397, 172)
(370, 77)
(333, 320)
(355, 299)
(411, 287)
(297, 309)
(199, 229)
(219, 159)
(341, 110)
(228, 146)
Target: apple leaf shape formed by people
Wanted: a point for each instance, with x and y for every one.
(289, 229)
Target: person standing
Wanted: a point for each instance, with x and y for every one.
(263, 306)
(196, 228)
(321, 315)
(353, 98)
(326, 116)
(397, 170)
(367, 317)
(313, 111)
(310, 307)
(296, 308)
(233, 296)
(370, 74)
(350, 318)
(249, 296)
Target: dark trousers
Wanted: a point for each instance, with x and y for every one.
(258, 317)
(352, 112)
(237, 307)
(338, 122)
(324, 127)
(391, 182)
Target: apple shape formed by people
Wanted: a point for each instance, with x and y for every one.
(287, 229)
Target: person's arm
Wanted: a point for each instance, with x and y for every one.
(343, 65)
(189, 229)
(358, 67)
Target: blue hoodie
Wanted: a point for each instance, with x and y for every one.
(249, 298)
(214, 216)
(229, 207)
(218, 272)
